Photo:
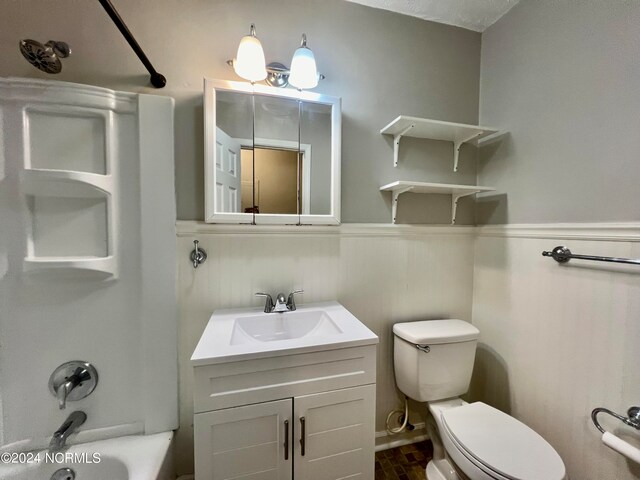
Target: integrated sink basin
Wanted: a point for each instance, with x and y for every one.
(270, 327)
(238, 334)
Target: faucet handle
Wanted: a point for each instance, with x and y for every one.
(72, 381)
(291, 304)
(268, 304)
(62, 392)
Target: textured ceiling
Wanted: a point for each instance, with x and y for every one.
(471, 14)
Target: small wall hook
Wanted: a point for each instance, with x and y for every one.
(198, 255)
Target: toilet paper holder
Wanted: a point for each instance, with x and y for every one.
(632, 419)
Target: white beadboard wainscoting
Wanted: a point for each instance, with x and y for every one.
(558, 340)
(382, 273)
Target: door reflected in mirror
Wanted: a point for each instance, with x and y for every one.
(234, 121)
(275, 181)
(276, 155)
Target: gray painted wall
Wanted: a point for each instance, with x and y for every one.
(564, 78)
(382, 64)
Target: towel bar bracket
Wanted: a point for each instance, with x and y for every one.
(632, 419)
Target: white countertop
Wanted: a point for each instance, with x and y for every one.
(215, 345)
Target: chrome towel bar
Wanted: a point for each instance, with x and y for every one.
(632, 419)
(563, 255)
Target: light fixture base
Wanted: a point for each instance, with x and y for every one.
(277, 75)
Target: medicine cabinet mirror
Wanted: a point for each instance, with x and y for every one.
(272, 156)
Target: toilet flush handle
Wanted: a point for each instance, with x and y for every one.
(423, 348)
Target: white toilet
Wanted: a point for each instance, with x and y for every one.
(433, 363)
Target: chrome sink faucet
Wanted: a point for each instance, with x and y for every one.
(282, 304)
(69, 426)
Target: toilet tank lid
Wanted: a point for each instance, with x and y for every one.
(436, 331)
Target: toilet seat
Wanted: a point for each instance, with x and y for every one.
(500, 445)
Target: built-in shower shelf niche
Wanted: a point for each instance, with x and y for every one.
(71, 222)
(69, 188)
(457, 133)
(103, 267)
(64, 183)
(69, 138)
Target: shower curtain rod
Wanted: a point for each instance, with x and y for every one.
(157, 79)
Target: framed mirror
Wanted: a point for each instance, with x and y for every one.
(272, 156)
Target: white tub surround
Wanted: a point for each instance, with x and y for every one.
(87, 267)
(135, 457)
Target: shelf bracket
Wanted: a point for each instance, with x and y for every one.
(457, 145)
(396, 143)
(394, 201)
(454, 204)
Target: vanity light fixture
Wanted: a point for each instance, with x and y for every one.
(249, 62)
(304, 72)
(277, 75)
(250, 65)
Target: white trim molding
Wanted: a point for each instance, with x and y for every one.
(613, 232)
(608, 232)
(186, 228)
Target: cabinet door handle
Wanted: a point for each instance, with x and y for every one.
(303, 435)
(286, 439)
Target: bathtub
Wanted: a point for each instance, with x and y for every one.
(135, 457)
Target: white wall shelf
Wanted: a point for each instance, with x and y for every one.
(458, 133)
(456, 191)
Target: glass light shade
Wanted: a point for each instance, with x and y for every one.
(304, 73)
(250, 63)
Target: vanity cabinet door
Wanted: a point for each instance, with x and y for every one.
(244, 443)
(334, 434)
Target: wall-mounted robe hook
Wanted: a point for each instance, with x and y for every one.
(198, 255)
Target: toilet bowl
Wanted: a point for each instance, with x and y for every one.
(433, 362)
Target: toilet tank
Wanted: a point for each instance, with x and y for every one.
(433, 359)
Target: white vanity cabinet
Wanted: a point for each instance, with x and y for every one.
(334, 434)
(320, 436)
(253, 441)
(307, 416)
(301, 407)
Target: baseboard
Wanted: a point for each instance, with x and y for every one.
(385, 440)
